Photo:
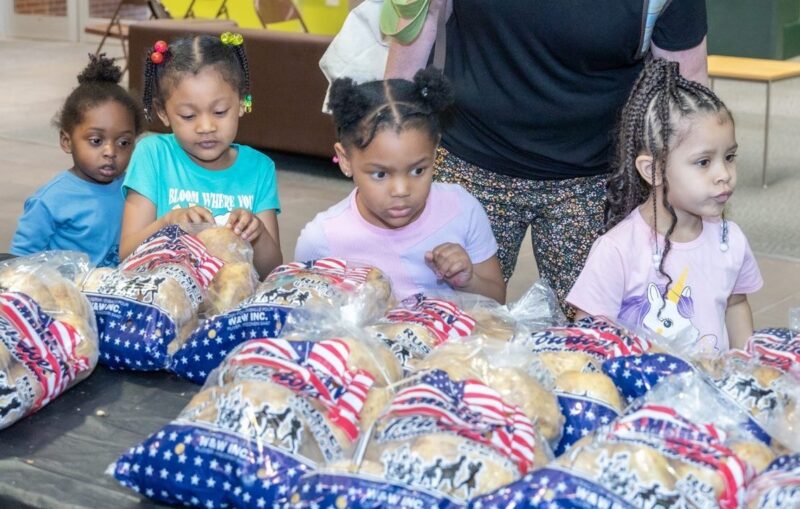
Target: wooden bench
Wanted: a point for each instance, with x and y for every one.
(753, 69)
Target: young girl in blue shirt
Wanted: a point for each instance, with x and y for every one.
(199, 88)
(80, 209)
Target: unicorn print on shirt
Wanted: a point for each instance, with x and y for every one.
(668, 316)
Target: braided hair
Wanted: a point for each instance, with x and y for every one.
(98, 83)
(660, 99)
(188, 56)
(361, 111)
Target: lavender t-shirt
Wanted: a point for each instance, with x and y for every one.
(620, 280)
(451, 214)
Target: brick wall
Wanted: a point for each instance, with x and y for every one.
(97, 8)
(41, 7)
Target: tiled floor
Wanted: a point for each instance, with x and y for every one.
(38, 75)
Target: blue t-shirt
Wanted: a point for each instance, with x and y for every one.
(73, 214)
(161, 171)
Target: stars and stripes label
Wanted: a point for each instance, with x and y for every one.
(582, 415)
(594, 336)
(700, 444)
(210, 343)
(468, 409)
(313, 370)
(336, 271)
(45, 347)
(553, 488)
(192, 465)
(777, 486)
(441, 318)
(173, 245)
(776, 347)
(133, 335)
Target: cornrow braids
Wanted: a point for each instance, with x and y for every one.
(188, 56)
(98, 83)
(659, 100)
(361, 111)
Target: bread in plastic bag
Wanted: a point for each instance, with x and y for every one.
(668, 450)
(272, 411)
(439, 440)
(360, 292)
(506, 368)
(48, 337)
(420, 324)
(778, 486)
(237, 279)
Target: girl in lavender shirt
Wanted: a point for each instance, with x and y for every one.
(669, 261)
(431, 238)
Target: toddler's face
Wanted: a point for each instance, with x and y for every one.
(203, 111)
(393, 175)
(701, 169)
(102, 144)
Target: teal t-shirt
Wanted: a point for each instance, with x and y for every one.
(161, 171)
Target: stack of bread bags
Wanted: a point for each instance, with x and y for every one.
(273, 410)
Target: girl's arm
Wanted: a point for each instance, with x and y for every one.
(267, 246)
(739, 320)
(405, 60)
(487, 279)
(139, 221)
(451, 263)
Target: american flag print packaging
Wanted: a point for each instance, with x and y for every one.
(360, 293)
(438, 441)
(777, 486)
(148, 306)
(671, 449)
(272, 411)
(418, 325)
(510, 370)
(48, 339)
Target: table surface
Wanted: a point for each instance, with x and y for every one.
(753, 69)
(57, 457)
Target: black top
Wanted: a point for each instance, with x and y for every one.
(540, 83)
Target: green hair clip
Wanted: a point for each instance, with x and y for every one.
(231, 39)
(248, 103)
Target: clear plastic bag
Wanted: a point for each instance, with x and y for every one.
(149, 305)
(670, 450)
(359, 293)
(538, 308)
(320, 293)
(272, 411)
(507, 368)
(420, 324)
(439, 441)
(48, 335)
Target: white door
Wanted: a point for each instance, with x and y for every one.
(45, 19)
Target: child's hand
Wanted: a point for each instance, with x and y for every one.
(245, 224)
(451, 263)
(194, 215)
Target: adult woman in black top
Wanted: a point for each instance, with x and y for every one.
(539, 85)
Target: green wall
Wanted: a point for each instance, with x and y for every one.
(754, 28)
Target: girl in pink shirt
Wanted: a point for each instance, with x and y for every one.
(669, 261)
(427, 237)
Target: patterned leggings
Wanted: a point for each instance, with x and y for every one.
(564, 216)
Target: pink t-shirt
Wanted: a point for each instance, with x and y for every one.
(451, 214)
(620, 280)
